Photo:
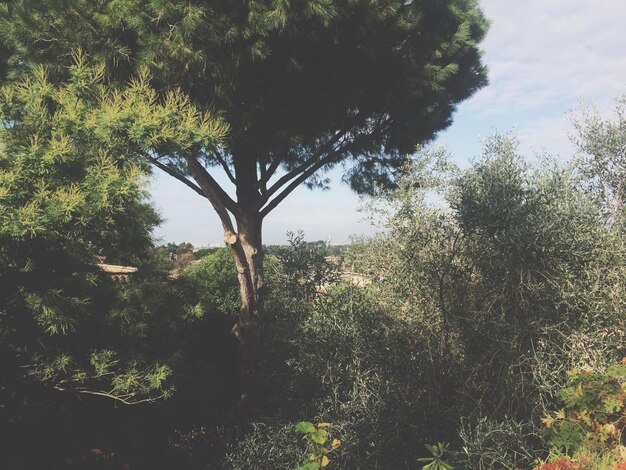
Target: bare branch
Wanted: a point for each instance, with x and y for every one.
(221, 202)
(173, 173)
(222, 162)
(296, 182)
(266, 173)
(331, 157)
(109, 395)
(209, 186)
(327, 147)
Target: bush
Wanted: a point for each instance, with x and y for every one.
(267, 446)
(211, 284)
(588, 429)
(489, 444)
(476, 310)
(519, 278)
(348, 361)
(300, 270)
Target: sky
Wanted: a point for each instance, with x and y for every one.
(546, 58)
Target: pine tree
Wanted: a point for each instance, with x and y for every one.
(303, 86)
(72, 187)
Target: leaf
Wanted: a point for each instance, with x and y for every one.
(305, 427)
(612, 404)
(320, 436)
(309, 466)
(325, 461)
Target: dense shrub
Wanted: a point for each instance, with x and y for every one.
(75, 345)
(473, 313)
(521, 279)
(490, 444)
(349, 361)
(213, 282)
(300, 270)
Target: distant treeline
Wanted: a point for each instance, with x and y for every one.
(199, 253)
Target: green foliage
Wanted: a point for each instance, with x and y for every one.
(475, 309)
(213, 282)
(178, 248)
(266, 446)
(347, 359)
(519, 278)
(319, 444)
(301, 270)
(72, 178)
(593, 417)
(489, 444)
(436, 462)
(602, 160)
(390, 75)
(202, 252)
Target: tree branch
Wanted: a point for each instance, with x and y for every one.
(296, 182)
(327, 147)
(173, 173)
(230, 175)
(266, 173)
(332, 156)
(209, 186)
(111, 396)
(221, 202)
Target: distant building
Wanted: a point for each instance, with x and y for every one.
(116, 272)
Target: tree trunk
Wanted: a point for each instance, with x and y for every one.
(251, 273)
(247, 249)
(246, 245)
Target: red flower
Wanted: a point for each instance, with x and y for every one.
(563, 464)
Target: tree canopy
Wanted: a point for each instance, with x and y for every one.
(293, 79)
(602, 157)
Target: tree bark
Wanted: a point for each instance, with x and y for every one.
(247, 249)
(245, 243)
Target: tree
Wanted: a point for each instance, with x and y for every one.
(179, 249)
(303, 85)
(602, 157)
(72, 187)
(65, 198)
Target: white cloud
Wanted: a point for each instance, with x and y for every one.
(547, 135)
(546, 52)
(544, 57)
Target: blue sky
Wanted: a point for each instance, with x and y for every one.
(545, 59)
